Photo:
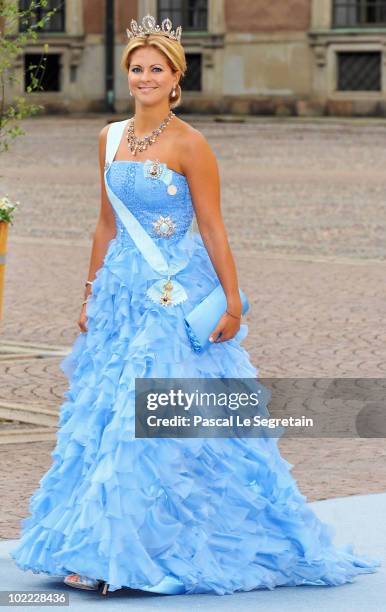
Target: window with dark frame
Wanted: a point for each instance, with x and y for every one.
(49, 77)
(359, 13)
(56, 23)
(192, 81)
(190, 14)
(359, 71)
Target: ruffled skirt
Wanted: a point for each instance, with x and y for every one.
(206, 515)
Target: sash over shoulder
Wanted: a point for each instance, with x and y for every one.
(164, 291)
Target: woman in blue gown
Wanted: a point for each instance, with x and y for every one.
(168, 515)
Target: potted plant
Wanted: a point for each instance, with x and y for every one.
(6, 209)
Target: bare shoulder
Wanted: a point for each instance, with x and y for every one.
(103, 132)
(190, 137)
(105, 129)
(103, 135)
(193, 145)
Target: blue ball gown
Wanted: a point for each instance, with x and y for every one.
(169, 515)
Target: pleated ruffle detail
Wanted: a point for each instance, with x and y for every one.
(215, 515)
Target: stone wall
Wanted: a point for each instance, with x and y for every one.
(267, 16)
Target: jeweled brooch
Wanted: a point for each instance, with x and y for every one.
(164, 226)
(166, 297)
(153, 169)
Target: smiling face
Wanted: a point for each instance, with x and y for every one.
(150, 76)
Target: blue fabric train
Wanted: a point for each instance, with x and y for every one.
(207, 515)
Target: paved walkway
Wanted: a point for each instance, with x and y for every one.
(303, 203)
(358, 519)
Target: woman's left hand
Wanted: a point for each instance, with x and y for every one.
(228, 326)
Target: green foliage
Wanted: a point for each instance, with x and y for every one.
(7, 208)
(12, 43)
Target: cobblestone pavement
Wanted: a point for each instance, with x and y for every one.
(303, 203)
(295, 187)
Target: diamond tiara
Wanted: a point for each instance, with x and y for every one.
(149, 26)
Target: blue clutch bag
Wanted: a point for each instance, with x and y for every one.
(202, 320)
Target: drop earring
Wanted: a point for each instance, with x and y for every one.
(131, 93)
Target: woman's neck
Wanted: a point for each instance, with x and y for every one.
(148, 119)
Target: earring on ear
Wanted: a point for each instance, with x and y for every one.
(173, 92)
(131, 93)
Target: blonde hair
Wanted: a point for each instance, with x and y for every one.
(173, 51)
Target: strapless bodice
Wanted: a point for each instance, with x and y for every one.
(156, 195)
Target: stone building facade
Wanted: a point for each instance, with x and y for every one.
(298, 57)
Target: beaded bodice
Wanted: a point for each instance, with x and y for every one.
(157, 196)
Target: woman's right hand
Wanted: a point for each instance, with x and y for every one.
(83, 319)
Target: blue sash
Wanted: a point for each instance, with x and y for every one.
(164, 291)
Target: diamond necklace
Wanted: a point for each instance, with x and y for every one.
(140, 144)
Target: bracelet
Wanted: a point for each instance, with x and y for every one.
(232, 315)
(88, 283)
